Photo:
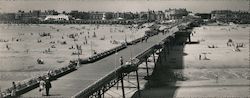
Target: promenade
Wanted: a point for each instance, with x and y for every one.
(87, 74)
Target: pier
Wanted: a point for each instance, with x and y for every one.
(94, 79)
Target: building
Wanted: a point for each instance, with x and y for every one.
(129, 15)
(221, 14)
(60, 17)
(172, 14)
(7, 16)
(44, 14)
(148, 16)
(36, 13)
(124, 15)
(160, 16)
(79, 15)
(204, 15)
(100, 15)
(230, 16)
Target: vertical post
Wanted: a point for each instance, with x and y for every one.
(116, 66)
(99, 94)
(103, 91)
(147, 66)
(123, 92)
(117, 84)
(154, 58)
(138, 84)
(189, 38)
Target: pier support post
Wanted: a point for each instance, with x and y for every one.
(99, 94)
(103, 91)
(123, 92)
(146, 59)
(138, 84)
(117, 84)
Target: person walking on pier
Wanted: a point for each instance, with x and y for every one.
(41, 85)
(47, 86)
(121, 60)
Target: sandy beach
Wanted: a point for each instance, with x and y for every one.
(22, 45)
(208, 69)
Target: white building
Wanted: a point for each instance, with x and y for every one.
(57, 17)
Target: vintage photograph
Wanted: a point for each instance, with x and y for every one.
(124, 48)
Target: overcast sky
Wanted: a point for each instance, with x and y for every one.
(122, 5)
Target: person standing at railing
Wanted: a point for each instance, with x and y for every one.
(121, 60)
(13, 92)
(47, 86)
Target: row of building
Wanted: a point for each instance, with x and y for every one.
(226, 16)
(150, 15)
(38, 15)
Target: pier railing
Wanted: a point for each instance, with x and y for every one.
(31, 83)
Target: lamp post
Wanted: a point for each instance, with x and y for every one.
(116, 55)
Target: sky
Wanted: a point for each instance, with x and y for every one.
(196, 6)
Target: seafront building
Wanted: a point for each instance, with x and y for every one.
(230, 16)
(37, 16)
(52, 15)
(59, 17)
(172, 14)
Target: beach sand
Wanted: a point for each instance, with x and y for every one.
(19, 62)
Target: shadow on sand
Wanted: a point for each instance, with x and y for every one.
(168, 70)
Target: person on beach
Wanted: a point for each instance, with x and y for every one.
(7, 46)
(47, 86)
(199, 56)
(121, 60)
(41, 86)
(217, 78)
